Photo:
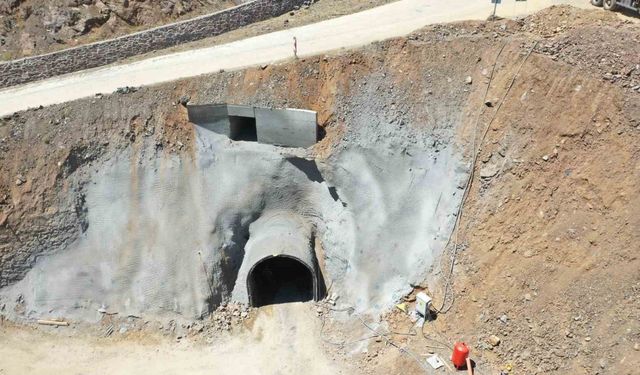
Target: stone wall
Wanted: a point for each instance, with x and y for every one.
(103, 53)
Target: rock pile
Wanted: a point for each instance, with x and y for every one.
(228, 315)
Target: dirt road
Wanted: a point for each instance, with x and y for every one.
(281, 340)
(343, 32)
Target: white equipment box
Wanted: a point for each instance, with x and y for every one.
(423, 303)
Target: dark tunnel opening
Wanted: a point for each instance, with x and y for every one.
(243, 129)
(280, 280)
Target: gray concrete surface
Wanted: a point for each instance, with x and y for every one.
(241, 110)
(274, 234)
(214, 117)
(167, 237)
(288, 127)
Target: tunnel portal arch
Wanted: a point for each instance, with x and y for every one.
(279, 263)
(281, 279)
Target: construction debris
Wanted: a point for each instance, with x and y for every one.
(435, 361)
(402, 307)
(126, 90)
(494, 340)
(57, 323)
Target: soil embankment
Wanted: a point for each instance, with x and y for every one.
(546, 260)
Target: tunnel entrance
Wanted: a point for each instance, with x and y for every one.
(280, 279)
(243, 129)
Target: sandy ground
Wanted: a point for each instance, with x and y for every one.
(281, 340)
(343, 32)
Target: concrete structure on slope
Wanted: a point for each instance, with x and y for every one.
(279, 262)
(281, 127)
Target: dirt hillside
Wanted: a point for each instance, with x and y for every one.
(548, 254)
(546, 278)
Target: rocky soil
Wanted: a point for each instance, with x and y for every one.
(566, 31)
(226, 318)
(546, 276)
(34, 215)
(31, 27)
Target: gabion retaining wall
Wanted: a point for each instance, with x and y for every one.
(102, 53)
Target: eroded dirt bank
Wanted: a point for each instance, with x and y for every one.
(547, 259)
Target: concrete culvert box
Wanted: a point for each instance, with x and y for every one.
(242, 129)
(286, 127)
(279, 264)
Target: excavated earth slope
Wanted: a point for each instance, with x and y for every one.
(119, 201)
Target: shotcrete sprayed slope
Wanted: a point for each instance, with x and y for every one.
(165, 233)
